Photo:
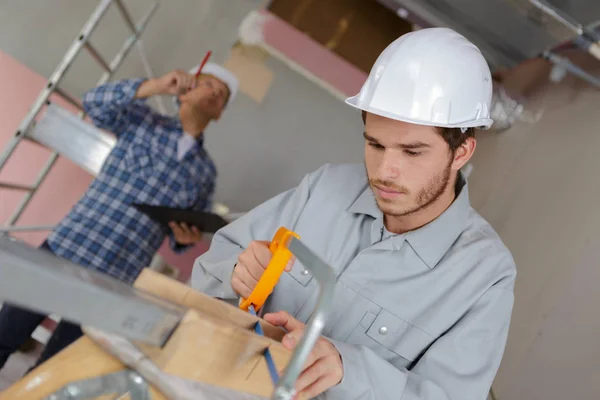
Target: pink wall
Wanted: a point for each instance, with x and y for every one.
(311, 55)
(64, 185)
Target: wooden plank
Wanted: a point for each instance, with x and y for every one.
(180, 293)
(81, 360)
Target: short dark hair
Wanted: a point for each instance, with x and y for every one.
(455, 137)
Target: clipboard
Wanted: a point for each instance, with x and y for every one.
(206, 222)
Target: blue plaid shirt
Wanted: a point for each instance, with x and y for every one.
(103, 231)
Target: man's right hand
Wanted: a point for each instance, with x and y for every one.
(250, 267)
(174, 83)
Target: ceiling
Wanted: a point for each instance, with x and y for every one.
(507, 31)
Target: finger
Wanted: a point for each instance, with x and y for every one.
(261, 252)
(312, 374)
(290, 264)
(175, 228)
(249, 261)
(323, 383)
(284, 320)
(185, 228)
(241, 272)
(240, 287)
(196, 231)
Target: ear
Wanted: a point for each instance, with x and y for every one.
(463, 153)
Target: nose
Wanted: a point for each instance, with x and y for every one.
(389, 168)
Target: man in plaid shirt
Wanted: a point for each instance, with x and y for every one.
(158, 160)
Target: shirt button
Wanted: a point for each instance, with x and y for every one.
(304, 272)
(383, 330)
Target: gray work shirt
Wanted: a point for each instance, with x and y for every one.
(421, 315)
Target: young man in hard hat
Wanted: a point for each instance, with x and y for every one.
(157, 160)
(424, 288)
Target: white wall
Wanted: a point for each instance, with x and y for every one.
(248, 143)
(539, 187)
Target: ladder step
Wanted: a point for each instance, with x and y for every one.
(72, 100)
(73, 138)
(94, 53)
(16, 186)
(126, 16)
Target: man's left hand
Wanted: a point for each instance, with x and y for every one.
(323, 369)
(184, 234)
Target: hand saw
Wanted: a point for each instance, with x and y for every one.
(283, 246)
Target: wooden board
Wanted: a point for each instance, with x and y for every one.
(179, 293)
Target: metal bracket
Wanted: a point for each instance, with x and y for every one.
(120, 383)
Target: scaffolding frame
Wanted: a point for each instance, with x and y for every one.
(53, 87)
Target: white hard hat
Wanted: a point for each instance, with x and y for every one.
(222, 74)
(433, 77)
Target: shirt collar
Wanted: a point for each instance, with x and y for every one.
(432, 241)
(177, 126)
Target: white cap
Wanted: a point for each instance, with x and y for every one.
(433, 77)
(222, 74)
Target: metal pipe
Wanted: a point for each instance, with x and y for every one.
(15, 216)
(16, 186)
(285, 389)
(572, 68)
(559, 15)
(94, 53)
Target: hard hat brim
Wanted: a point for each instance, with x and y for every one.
(483, 123)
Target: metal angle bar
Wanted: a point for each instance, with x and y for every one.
(96, 56)
(37, 279)
(63, 66)
(285, 389)
(116, 62)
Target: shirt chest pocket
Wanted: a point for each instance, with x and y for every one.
(392, 338)
(138, 158)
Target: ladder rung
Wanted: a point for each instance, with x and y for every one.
(126, 16)
(16, 186)
(28, 228)
(72, 100)
(94, 53)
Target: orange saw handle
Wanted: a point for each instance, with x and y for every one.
(281, 257)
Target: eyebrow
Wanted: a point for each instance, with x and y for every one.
(413, 145)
